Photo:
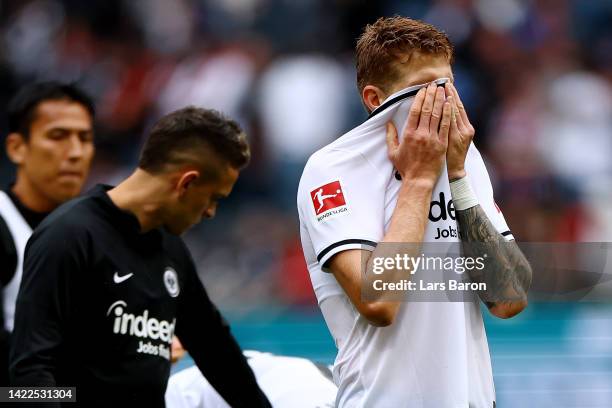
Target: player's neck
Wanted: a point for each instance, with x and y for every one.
(30, 197)
(141, 194)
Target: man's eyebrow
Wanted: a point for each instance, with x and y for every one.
(69, 129)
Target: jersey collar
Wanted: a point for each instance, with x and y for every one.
(401, 95)
(125, 220)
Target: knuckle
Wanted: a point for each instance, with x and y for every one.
(421, 134)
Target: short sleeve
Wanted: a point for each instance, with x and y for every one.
(341, 203)
(481, 184)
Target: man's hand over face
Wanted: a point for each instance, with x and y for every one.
(420, 154)
(460, 136)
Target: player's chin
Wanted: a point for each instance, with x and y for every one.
(179, 228)
(65, 191)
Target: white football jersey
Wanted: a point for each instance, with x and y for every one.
(288, 382)
(435, 354)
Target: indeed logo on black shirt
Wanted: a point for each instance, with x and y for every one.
(142, 326)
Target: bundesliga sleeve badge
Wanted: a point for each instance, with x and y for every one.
(328, 200)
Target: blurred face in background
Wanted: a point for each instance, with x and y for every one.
(53, 160)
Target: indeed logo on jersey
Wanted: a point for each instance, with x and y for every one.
(441, 210)
(144, 327)
(328, 200)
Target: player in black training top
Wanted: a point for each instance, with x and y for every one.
(107, 281)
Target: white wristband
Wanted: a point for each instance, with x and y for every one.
(463, 195)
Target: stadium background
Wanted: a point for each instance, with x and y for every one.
(536, 78)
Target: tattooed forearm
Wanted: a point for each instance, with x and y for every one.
(507, 273)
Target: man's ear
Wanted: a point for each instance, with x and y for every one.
(16, 148)
(372, 97)
(186, 180)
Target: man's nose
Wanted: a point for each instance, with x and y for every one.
(76, 148)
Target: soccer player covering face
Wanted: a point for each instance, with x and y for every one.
(391, 183)
(107, 281)
(50, 141)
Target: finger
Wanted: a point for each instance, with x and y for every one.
(452, 92)
(427, 107)
(454, 123)
(436, 113)
(445, 122)
(463, 119)
(392, 140)
(455, 113)
(415, 109)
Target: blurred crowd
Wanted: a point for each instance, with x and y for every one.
(535, 75)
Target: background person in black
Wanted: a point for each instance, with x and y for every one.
(50, 141)
(107, 281)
